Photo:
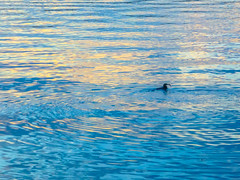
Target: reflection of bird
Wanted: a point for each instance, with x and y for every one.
(164, 87)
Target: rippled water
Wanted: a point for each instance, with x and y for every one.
(76, 80)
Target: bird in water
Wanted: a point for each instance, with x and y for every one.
(164, 87)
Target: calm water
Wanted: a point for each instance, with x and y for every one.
(75, 89)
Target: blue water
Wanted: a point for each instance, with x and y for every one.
(76, 81)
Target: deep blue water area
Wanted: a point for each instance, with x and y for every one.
(78, 96)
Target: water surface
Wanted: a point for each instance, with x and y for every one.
(76, 80)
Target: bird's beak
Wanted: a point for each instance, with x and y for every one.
(169, 84)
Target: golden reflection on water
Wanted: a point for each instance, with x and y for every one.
(64, 53)
(73, 60)
(67, 58)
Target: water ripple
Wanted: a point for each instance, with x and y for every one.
(76, 83)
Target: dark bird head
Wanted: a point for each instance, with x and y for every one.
(165, 86)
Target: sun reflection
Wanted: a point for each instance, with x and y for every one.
(193, 55)
(71, 67)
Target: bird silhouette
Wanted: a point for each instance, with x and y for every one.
(164, 87)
